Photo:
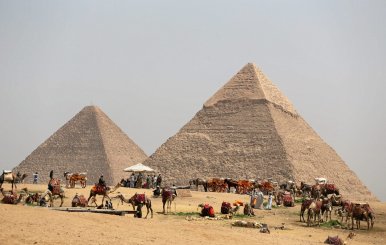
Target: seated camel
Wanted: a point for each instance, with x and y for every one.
(79, 201)
(12, 197)
(137, 200)
(32, 197)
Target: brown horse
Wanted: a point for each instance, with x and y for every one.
(11, 177)
(199, 181)
(102, 190)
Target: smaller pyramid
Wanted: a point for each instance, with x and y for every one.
(90, 142)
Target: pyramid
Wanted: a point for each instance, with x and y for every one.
(248, 130)
(90, 142)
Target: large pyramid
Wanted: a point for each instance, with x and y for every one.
(90, 142)
(249, 129)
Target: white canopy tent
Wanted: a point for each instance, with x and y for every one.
(139, 168)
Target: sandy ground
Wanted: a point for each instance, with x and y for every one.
(35, 225)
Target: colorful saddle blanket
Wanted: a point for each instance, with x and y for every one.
(140, 198)
(97, 188)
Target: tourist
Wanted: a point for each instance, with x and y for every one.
(148, 181)
(259, 199)
(159, 180)
(155, 180)
(157, 191)
(35, 176)
(132, 180)
(151, 181)
(269, 204)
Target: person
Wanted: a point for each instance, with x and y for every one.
(174, 189)
(259, 199)
(132, 180)
(101, 181)
(155, 181)
(159, 180)
(152, 181)
(109, 205)
(269, 204)
(148, 182)
(157, 191)
(35, 176)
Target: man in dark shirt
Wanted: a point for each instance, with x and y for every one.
(102, 182)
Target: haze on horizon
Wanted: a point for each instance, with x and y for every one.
(150, 66)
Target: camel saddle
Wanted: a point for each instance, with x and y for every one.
(55, 185)
(330, 187)
(99, 188)
(287, 199)
(8, 175)
(140, 198)
(10, 198)
(334, 240)
(166, 193)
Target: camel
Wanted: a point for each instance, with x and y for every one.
(314, 211)
(336, 200)
(103, 191)
(79, 201)
(11, 177)
(326, 208)
(11, 198)
(198, 182)
(52, 194)
(285, 198)
(362, 212)
(329, 189)
(137, 200)
(168, 197)
(305, 188)
(305, 205)
(32, 197)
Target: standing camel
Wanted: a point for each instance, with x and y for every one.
(11, 177)
(103, 191)
(168, 196)
(137, 200)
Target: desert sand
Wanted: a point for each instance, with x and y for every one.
(23, 224)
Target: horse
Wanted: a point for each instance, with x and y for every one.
(199, 181)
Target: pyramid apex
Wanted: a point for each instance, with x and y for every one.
(250, 83)
(89, 107)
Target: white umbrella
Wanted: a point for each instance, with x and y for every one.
(139, 168)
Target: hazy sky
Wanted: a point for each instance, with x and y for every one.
(150, 66)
